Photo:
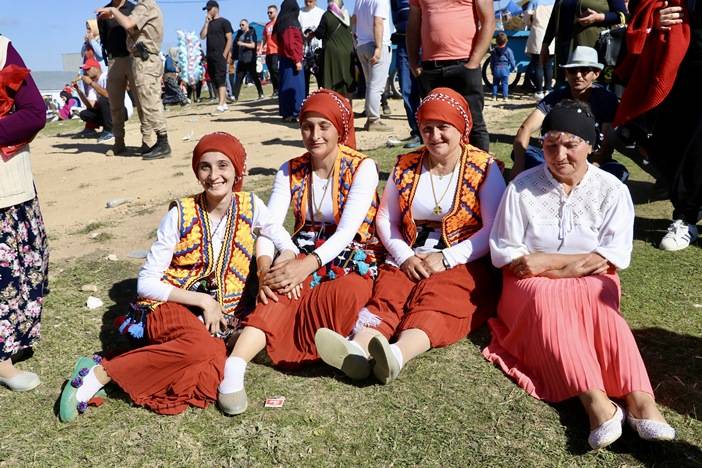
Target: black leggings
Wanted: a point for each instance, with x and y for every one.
(241, 70)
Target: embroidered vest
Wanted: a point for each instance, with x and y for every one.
(193, 259)
(345, 167)
(464, 217)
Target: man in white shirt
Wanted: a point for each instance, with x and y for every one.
(309, 18)
(371, 24)
(93, 94)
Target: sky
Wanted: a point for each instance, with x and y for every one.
(42, 30)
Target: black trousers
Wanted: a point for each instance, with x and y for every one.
(273, 70)
(677, 142)
(468, 83)
(100, 114)
(241, 70)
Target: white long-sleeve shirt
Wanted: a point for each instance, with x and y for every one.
(356, 208)
(536, 215)
(150, 285)
(388, 221)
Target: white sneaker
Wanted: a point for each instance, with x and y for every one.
(538, 96)
(223, 108)
(679, 236)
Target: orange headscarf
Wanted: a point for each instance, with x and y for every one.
(336, 109)
(446, 105)
(228, 145)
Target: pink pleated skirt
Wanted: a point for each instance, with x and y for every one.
(557, 338)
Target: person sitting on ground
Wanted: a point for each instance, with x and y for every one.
(434, 220)
(582, 71)
(332, 190)
(192, 292)
(92, 91)
(69, 102)
(562, 231)
(172, 93)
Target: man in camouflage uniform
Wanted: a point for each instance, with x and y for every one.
(144, 28)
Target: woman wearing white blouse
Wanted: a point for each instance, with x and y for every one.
(191, 293)
(562, 231)
(332, 191)
(434, 220)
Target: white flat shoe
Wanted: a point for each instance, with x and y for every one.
(22, 382)
(607, 432)
(338, 352)
(649, 429)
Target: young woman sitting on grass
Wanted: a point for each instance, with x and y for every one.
(434, 220)
(190, 293)
(562, 231)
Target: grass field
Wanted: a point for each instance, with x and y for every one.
(448, 408)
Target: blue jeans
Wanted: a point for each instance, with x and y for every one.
(409, 87)
(500, 77)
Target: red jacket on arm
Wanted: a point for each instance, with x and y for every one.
(290, 45)
(652, 60)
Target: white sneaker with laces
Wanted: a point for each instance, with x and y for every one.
(223, 108)
(679, 236)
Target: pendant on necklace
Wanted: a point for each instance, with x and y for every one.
(318, 214)
(437, 210)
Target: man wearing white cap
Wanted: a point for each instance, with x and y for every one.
(582, 71)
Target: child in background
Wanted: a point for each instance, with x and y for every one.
(502, 64)
(69, 102)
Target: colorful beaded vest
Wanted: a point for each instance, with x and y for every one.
(463, 219)
(347, 162)
(361, 256)
(194, 266)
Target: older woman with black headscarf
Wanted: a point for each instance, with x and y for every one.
(288, 34)
(562, 231)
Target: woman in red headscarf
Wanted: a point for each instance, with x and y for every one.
(434, 221)
(332, 190)
(191, 290)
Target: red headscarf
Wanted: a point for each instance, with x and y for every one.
(228, 145)
(446, 105)
(335, 108)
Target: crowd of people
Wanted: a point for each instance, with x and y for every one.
(367, 283)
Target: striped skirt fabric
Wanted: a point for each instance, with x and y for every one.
(557, 338)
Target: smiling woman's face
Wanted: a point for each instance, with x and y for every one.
(441, 139)
(216, 173)
(565, 155)
(319, 135)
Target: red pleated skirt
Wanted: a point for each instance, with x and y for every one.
(181, 366)
(557, 338)
(447, 306)
(290, 325)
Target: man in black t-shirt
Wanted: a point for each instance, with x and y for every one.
(218, 32)
(247, 43)
(119, 74)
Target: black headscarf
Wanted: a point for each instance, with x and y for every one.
(287, 18)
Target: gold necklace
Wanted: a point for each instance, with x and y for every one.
(437, 203)
(318, 209)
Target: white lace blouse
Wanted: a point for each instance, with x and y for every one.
(536, 215)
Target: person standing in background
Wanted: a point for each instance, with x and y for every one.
(538, 13)
(310, 17)
(218, 32)
(288, 35)
(269, 47)
(371, 23)
(246, 41)
(24, 268)
(453, 38)
(119, 73)
(144, 28)
(337, 67)
(409, 86)
(92, 47)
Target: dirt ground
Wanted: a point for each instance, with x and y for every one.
(75, 179)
